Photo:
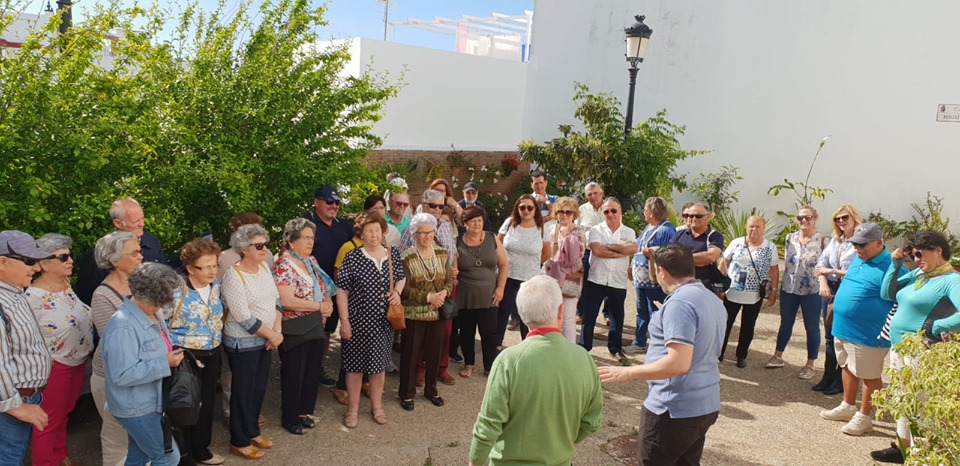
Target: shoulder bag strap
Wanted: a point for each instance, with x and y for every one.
(176, 310)
(747, 246)
(240, 274)
(390, 266)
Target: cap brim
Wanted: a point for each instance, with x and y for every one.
(33, 253)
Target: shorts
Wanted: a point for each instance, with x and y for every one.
(865, 362)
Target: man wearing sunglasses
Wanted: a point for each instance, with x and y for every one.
(705, 242)
(126, 215)
(26, 362)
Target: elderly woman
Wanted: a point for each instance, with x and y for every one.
(528, 247)
(304, 288)
(429, 281)
(482, 276)
(658, 232)
(800, 289)
(928, 298)
(251, 332)
(195, 322)
(363, 293)
(377, 204)
(120, 252)
(753, 265)
(831, 268)
(68, 333)
(567, 243)
(137, 356)
(446, 191)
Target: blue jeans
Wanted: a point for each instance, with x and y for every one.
(145, 441)
(810, 305)
(645, 309)
(15, 434)
(591, 299)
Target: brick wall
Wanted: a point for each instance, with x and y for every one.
(506, 185)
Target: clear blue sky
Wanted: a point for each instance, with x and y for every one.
(364, 18)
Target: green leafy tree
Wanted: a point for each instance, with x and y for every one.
(632, 168)
(716, 189)
(803, 191)
(237, 111)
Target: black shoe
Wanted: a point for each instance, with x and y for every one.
(888, 455)
(296, 429)
(834, 389)
(407, 405)
(821, 385)
(456, 358)
(307, 423)
(326, 380)
(620, 357)
(741, 362)
(437, 401)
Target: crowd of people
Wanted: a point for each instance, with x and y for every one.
(548, 268)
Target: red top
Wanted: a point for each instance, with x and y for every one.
(542, 331)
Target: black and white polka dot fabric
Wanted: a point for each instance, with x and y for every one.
(368, 349)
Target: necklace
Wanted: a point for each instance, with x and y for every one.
(430, 268)
(475, 254)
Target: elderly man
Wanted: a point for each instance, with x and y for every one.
(127, 215)
(538, 183)
(470, 199)
(397, 208)
(433, 205)
(859, 313)
(26, 361)
(611, 246)
(705, 242)
(590, 216)
(686, 336)
(543, 395)
(331, 233)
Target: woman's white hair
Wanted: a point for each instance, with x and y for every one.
(539, 300)
(422, 219)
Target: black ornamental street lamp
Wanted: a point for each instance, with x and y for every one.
(638, 36)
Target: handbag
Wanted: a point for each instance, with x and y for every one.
(449, 310)
(395, 312)
(300, 330)
(181, 391)
(765, 283)
(571, 285)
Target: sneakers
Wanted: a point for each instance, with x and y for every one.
(888, 455)
(775, 362)
(840, 413)
(859, 425)
(806, 373)
(326, 380)
(456, 358)
(635, 349)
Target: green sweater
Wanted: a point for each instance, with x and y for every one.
(543, 396)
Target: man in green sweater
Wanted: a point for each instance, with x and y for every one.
(543, 395)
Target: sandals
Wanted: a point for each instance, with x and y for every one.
(307, 422)
(249, 452)
(379, 415)
(350, 420)
(262, 442)
(466, 372)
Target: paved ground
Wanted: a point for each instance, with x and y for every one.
(769, 417)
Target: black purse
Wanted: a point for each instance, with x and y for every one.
(182, 391)
(449, 310)
(303, 329)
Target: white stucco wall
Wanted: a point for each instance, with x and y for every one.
(474, 103)
(760, 83)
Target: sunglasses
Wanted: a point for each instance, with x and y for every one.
(402, 204)
(696, 216)
(330, 202)
(63, 257)
(610, 211)
(804, 218)
(434, 206)
(526, 208)
(28, 261)
(841, 218)
(565, 212)
(260, 246)
(858, 245)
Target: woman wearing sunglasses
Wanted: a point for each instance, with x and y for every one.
(68, 333)
(830, 270)
(799, 289)
(567, 245)
(251, 332)
(528, 247)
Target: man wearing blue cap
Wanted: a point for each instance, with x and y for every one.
(26, 362)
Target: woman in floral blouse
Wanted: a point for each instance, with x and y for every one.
(800, 288)
(304, 288)
(195, 323)
(67, 328)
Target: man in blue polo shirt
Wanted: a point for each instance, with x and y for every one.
(859, 313)
(705, 242)
(686, 336)
(332, 232)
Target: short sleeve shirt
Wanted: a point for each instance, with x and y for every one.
(799, 262)
(859, 311)
(610, 272)
(523, 246)
(328, 240)
(652, 236)
(700, 243)
(745, 278)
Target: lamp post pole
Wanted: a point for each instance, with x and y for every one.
(637, 38)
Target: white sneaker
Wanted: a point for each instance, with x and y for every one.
(859, 425)
(840, 413)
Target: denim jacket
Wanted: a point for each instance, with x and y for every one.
(134, 362)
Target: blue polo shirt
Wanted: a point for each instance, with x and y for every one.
(859, 310)
(691, 315)
(700, 243)
(328, 239)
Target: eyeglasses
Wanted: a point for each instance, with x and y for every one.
(610, 211)
(434, 206)
(330, 202)
(804, 218)
(841, 218)
(260, 246)
(565, 212)
(526, 208)
(28, 261)
(209, 268)
(696, 216)
(63, 257)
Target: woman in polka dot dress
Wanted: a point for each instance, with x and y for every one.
(366, 335)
